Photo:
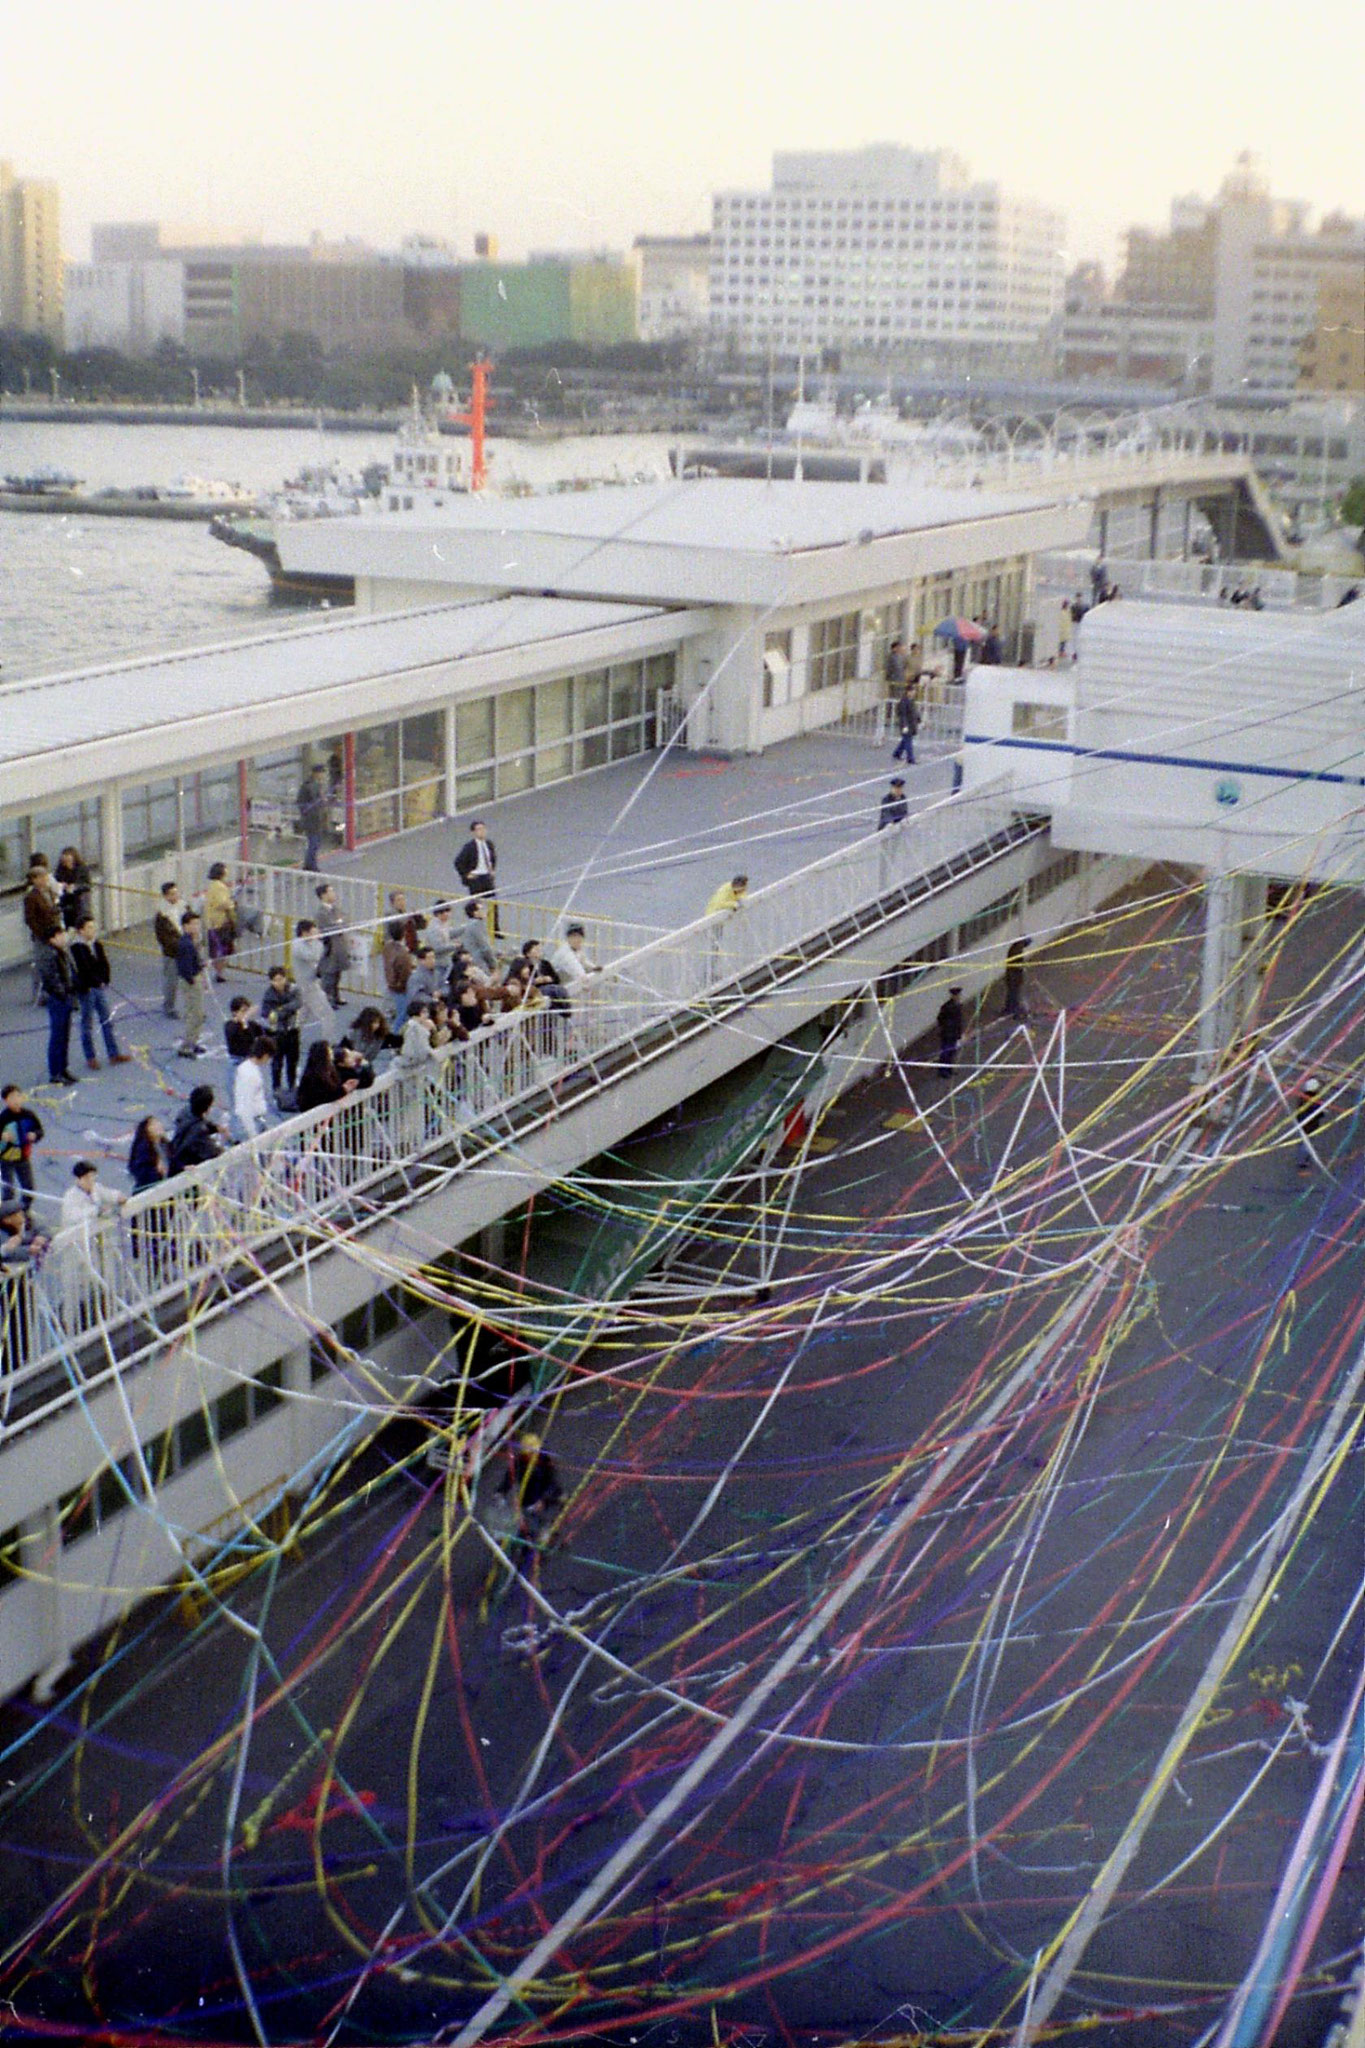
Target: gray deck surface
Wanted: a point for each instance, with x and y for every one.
(697, 822)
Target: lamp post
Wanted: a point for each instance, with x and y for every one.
(194, 375)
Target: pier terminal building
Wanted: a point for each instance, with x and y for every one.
(519, 650)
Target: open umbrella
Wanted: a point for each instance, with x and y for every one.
(959, 631)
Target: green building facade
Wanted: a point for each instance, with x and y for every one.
(526, 305)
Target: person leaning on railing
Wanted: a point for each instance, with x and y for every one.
(22, 1249)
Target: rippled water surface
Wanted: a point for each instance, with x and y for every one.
(76, 590)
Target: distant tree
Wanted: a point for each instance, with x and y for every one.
(1351, 510)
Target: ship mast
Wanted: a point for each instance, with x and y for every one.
(475, 419)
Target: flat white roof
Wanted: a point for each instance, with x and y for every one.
(58, 733)
(729, 540)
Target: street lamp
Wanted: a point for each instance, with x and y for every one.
(194, 374)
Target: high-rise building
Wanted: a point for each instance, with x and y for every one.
(1253, 265)
(30, 255)
(124, 241)
(873, 249)
(674, 274)
(1175, 268)
(1333, 356)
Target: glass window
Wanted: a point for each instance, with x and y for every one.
(475, 786)
(209, 805)
(590, 700)
(554, 722)
(273, 785)
(1039, 721)
(376, 782)
(73, 825)
(833, 651)
(516, 721)
(516, 773)
(554, 708)
(267, 1389)
(192, 1438)
(591, 749)
(659, 671)
(423, 748)
(625, 691)
(13, 854)
(230, 1413)
(626, 739)
(474, 731)
(554, 763)
(151, 819)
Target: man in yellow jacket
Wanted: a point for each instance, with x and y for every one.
(729, 896)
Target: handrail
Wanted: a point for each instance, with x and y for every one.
(220, 1228)
(284, 895)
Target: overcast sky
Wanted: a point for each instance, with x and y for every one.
(570, 125)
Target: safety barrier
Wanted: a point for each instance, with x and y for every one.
(192, 1245)
(940, 727)
(278, 898)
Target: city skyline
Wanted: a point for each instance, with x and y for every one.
(303, 119)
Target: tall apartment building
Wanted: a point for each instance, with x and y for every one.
(30, 255)
(874, 249)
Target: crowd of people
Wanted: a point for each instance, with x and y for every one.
(446, 981)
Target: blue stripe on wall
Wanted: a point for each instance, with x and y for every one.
(981, 739)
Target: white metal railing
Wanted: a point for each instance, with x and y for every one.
(940, 728)
(285, 895)
(1281, 589)
(259, 1207)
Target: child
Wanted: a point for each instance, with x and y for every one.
(20, 1131)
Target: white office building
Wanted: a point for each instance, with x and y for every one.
(674, 275)
(873, 249)
(129, 305)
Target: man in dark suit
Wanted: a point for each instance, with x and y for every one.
(476, 864)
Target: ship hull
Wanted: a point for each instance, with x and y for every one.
(287, 586)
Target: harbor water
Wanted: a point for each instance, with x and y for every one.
(75, 591)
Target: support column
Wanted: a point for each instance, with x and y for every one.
(348, 790)
(448, 803)
(1186, 529)
(243, 811)
(1154, 528)
(1234, 921)
(116, 914)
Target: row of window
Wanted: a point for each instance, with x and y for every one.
(197, 1435)
(514, 741)
(984, 209)
(46, 832)
(1063, 867)
(187, 1442)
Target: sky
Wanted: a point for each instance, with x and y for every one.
(582, 123)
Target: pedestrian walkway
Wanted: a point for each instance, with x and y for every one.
(639, 845)
(339, 1166)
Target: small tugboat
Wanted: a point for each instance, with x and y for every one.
(427, 470)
